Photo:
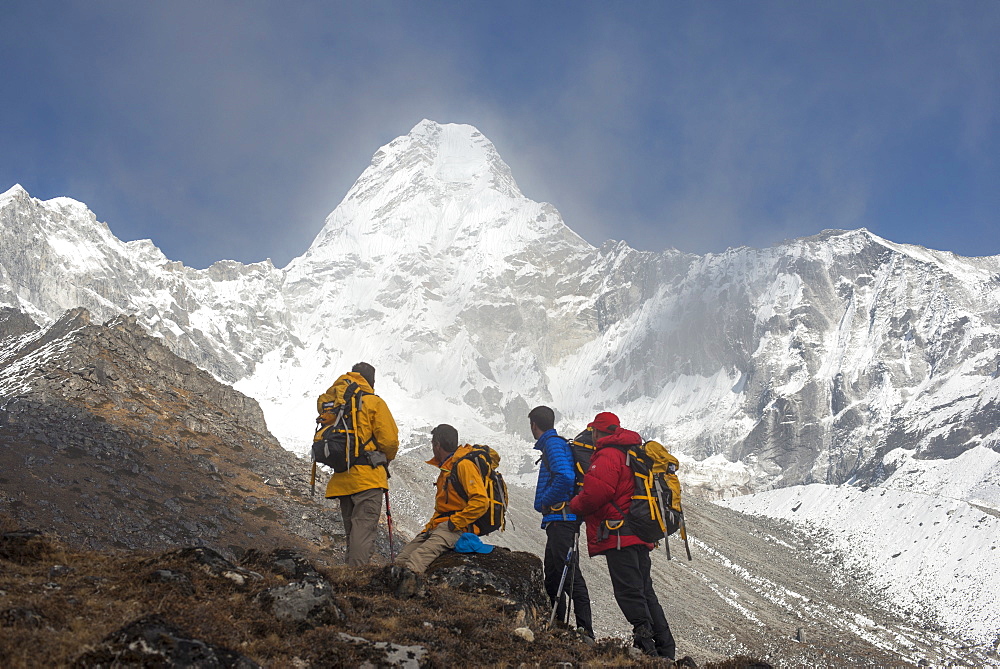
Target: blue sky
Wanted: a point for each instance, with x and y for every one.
(231, 129)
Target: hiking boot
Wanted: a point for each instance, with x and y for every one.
(408, 585)
(665, 646)
(688, 662)
(643, 640)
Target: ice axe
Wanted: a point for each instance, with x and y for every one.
(312, 480)
(663, 516)
(684, 536)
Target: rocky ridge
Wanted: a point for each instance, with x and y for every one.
(63, 606)
(110, 439)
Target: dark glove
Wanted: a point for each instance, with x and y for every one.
(451, 527)
(378, 459)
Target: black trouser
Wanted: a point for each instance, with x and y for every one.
(560, 535)
(629, 568)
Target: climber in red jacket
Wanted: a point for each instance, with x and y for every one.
(603, 502)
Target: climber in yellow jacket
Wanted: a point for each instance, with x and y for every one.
(360, 489)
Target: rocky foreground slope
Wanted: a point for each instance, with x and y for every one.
(193, 607)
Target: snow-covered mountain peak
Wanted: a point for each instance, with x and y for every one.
(68, 226)
(458, 154)
(441, 189)
(15, 191)
(17, 194)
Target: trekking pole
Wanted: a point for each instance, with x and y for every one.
(572, 573)
(312, 481)
(388, 521)
(562, 584)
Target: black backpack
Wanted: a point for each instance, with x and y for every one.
(645, 513)
(582, 447)
(644, 517)
(336, 443)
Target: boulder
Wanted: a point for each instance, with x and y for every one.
(21, 617)
(212, 563)
(287, 562)
(514, 577)
(153, 642)
(309, 603)
(23, 546)
(178, 579)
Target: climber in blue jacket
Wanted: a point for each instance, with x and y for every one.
(556, 486)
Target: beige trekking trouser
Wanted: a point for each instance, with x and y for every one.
(419, 553)
(361, 512)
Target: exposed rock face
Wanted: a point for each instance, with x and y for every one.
(308, 602)
(109, 439)
(14, 324)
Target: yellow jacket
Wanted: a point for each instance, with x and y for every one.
(448, 504)
(374, 420)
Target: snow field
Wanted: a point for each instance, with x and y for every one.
(920, 550)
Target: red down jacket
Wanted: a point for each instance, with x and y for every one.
(608, 480)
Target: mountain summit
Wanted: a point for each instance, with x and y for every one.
(439, 188)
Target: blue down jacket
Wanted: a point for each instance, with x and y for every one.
(556, 477)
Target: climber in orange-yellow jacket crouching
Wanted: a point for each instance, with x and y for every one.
(454, 513)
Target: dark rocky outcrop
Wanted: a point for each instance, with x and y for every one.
(153, 642)
(186, 610)
(211, 562)
(388, 654)
(13, 323)
(514, 577)
(22, 546)
(21, 616)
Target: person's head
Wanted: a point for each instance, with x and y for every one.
(444, 441)
(366, 371)
(604, 423)
(541, 419)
